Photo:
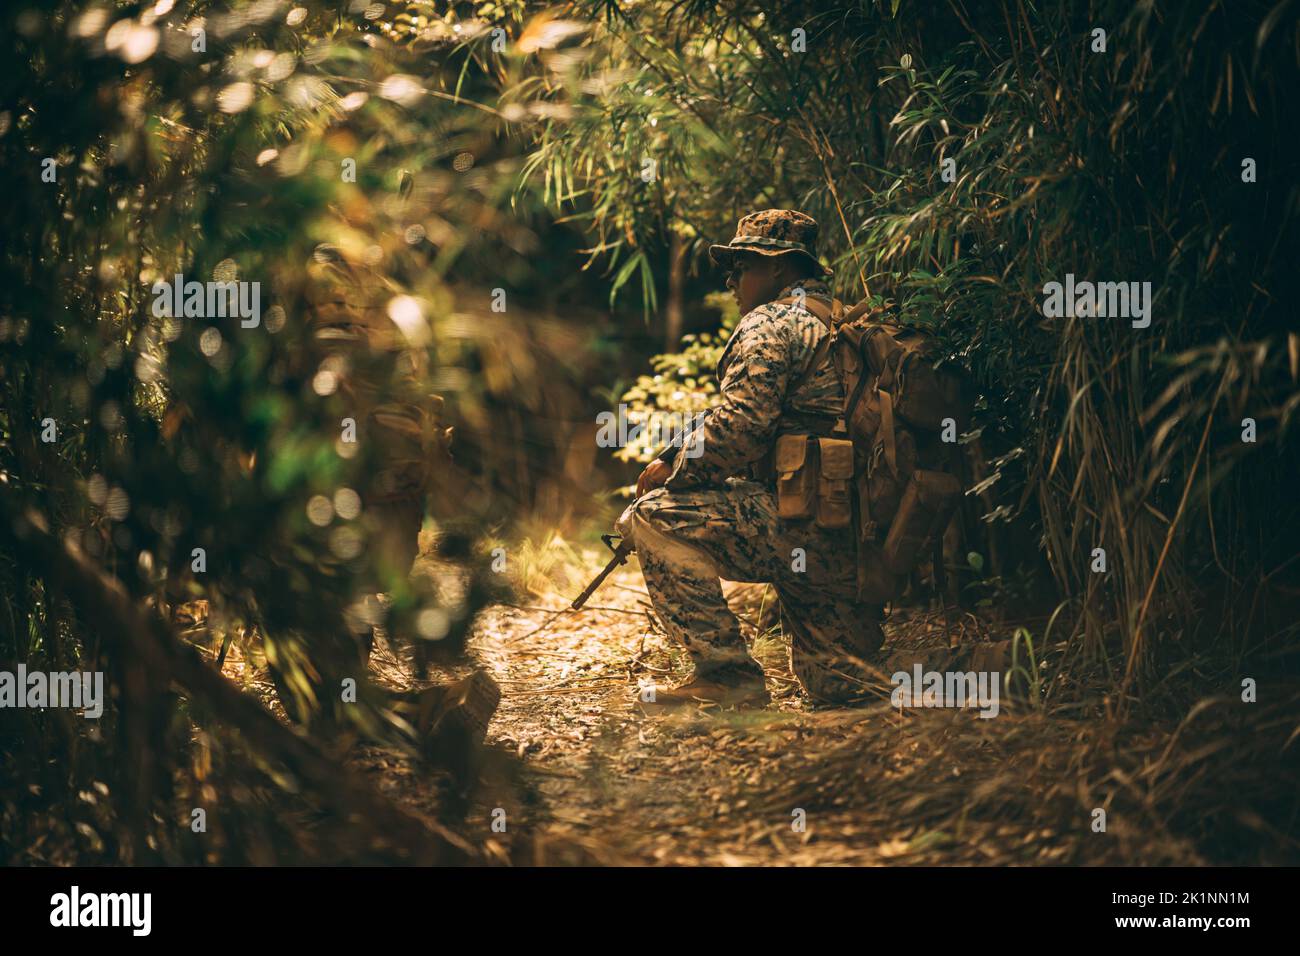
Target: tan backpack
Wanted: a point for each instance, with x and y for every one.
(898, 409)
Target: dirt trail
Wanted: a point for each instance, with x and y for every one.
(599, 780)
(575, 771)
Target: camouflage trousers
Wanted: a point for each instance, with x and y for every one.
(688, 540)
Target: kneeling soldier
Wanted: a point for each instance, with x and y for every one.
(713, 511)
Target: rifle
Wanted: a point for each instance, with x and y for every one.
(624, 546)
(620, 557)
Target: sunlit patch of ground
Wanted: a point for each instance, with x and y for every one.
(576, 772)
(592, 778)
(791, 785)
(682, 788)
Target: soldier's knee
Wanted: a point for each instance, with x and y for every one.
(639, 514)
(868, 637)
(834, 668)
(830, 680)
(628, 522)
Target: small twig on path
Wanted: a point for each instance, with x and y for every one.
(624, 587)
(559, 690)
(637, 662)
(588, 607)
(541, 627)
(556, 614)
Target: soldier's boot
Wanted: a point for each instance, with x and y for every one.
(733, 688)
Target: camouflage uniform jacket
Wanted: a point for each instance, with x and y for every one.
(767, 354)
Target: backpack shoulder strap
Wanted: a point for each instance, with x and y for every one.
(828, 313)
(819, 357)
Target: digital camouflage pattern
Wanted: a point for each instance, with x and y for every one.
(716, 517)
(687, 540)
(770, 349)
(772, 232)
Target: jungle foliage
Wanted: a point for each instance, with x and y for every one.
(491, 141)
(960, 156)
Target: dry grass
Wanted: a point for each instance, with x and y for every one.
(1216, 783)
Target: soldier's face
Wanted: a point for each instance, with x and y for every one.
(754, 281)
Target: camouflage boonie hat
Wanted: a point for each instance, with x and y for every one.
(772, 232)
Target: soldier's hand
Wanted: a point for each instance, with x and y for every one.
(655, 474)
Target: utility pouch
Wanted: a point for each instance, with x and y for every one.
(925, 510)
(835, 470)
(796, 476)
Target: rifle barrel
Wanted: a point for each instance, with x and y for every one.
(620, 557)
